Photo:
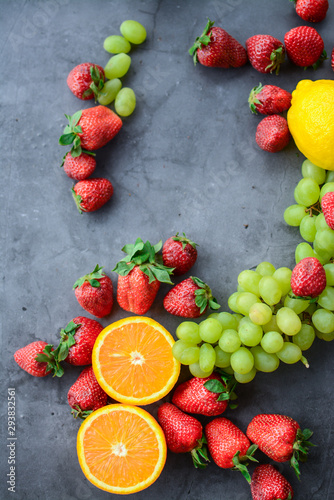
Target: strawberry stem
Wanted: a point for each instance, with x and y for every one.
(92, 278)
(204, 39)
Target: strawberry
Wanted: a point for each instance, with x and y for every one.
(140, 275)
(280, 438)
(304, 46)
(272, 133)
(85, 79)
(79, 167)
(180, 253)
(36, 358)
(190, 298)
(91, 194)
(77, 341)
(265, 53)
(86, 395)
(269, 100)
(183, 433)
(308, 278)
(229, 446)
(205, 396)
(312, 11)
(217, 49)
(269, 484)
(90, 129)
(94, 292)
(327, 206)
(332, 59)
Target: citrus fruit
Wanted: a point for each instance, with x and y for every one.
(311, 121)
(133, 361)
(121, 449)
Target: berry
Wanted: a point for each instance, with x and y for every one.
(269, 484)
(180, 253)
(94, 292)
(86, 395)
(327, 206)
(85, 79)
(272, 133)
(269, 100)
(304, 46)
(79, 167)
(91, 194)
(312, 11)
(265, 53)
(77, 341)
(308, 278)
(26, 358)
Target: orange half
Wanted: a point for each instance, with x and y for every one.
(121, 449)
(133, 361)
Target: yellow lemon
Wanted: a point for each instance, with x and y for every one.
(311, 121)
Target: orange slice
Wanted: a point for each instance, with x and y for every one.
(133, 361)
(121, 449)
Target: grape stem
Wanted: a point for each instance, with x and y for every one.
(304, 361)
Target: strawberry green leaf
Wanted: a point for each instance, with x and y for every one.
(204, 39)
(77, 412)
(214, 385)
(91, 278)
(66, 139)
(75, 118)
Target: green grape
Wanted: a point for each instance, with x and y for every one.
(109, 92)
(298, 305)
(179, 346)
(329, 270)
(207, 357)
(323, 320)
(326, 188)
(330, 176)
(227, 320)
(318, 334)
(283, 276)
(238, 318)
(270, 290)
(249, 280)
(232, 302)
(326, 298)
(305, 337)
(210, 330)
(271, 326)
(242, 360)
(307, 192)
(260, 313)
(328, 337)
(320, 222)
(190, 355)
(294, 214)
(213, 315)
(240, 289)
(196, 371)
(324, 241)
(307, 228)
(263, 361)
(249, 333)
(125, 102)
(115, 44)
(311, 308)
(265, 269)
(229, 341)
(303, 250)
(117, 66)
(188, 331)
(288, 321)
(229, 370)
(290, 353)
(245, 300)
(246, 377)
(323, 257)
(316, 173)
(272, 342)
(133, 31)
(222, 357)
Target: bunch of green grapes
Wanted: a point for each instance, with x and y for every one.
(306, 213)
(267, 326)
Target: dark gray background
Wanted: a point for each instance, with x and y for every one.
(186, 160)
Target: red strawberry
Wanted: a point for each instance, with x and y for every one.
(304, 46)
(265, 53)
(79, 167)
(269, 100)
(94, 293)
(86, 395)
(77, 341)
(91, 194)
(206, 396)
(269, 484)
(91, 129)
(327, 206)
(26, 358)
(190, 298)
(217, 49)
(312, 11)
(272, 133)
(140, 276)
(332, 60)
(308, 278)
(84, 78)
(280, 438)
(228, 445)
(180, 253)
(183, 433)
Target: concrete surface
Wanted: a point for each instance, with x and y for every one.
(186, 160)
